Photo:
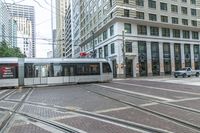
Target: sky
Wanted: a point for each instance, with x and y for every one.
(43, 24)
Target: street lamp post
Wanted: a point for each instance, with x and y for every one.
(123, 51)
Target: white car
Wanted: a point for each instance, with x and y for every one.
(186, 72)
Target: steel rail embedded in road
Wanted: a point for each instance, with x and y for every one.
(168, 103)
(161, 115)
(6, 122)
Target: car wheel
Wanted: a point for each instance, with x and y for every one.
(197, 74)
(184, 75)
(176, 76)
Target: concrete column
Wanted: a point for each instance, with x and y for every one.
(172, 57)
(182, 56)
(149, 63)
(162, 72)
(192, 56)
(135, 60)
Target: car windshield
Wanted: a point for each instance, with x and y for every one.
(184, 69)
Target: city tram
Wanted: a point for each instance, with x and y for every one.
(34, 71)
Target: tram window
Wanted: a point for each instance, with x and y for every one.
(106, 68)
(68, 69)
(87, 69)
(8, 71)
(37, 70)
(29, 70)
(57, 70)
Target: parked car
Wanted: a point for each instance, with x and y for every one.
(186, 72)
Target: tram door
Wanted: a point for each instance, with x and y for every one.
(41, 72)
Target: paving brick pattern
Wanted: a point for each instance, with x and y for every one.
(29, 128)
(149, 119)
(18, 95)
(95, 126)
(7, 104)
(42, 111)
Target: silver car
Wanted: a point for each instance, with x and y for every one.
(186, 72)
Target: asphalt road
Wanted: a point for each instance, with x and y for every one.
(121, 106)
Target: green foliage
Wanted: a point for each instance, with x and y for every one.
(7, 51)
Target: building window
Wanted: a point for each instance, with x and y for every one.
(112, 47)
(140, 2)
(163, 6)
(140, 15)
(174, 8)
(186, 34)
(100, 38)
(100, 53)
(112, 30)
(164, 19)
(193, 1)
(126, 13)
(128, 47)
(105, 35)
(165, 32)
(193, 12)
(105, 51)
(152, 4)
(184, 10)
(195, 35)
(176, 33)
(174, 20)
(194, 23)
(142, 30)
(152, 17)
(184, 1)
(126, 1)
(127, 27)
(154, 31)
(184, 21)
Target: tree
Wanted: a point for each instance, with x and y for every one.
(8, 51)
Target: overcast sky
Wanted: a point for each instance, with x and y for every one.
(43, 23)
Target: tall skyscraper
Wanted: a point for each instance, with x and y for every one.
(68, 32)
(61, 6)
(24, 16)
(141, 37)
(7, 26)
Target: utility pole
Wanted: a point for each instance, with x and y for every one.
(52, 28)
(123, 51)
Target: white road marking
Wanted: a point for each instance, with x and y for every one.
(3, 91)
(158, 88)
(149, 104)
(137, 93)
(183, 100)
(113, 109)
(100, 111)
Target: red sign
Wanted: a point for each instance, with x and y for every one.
(83, 54)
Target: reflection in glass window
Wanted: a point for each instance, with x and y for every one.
(106, 68)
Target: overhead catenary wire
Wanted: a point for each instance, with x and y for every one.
(37, 38)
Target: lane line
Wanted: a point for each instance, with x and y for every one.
(183, 100)
(3, 91)
(113, 109)
(157, 88)
(137, 93)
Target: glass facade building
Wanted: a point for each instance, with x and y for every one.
(7, 26)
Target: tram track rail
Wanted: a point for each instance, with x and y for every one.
(6, 123)
(121, 122)
(156, 113)
(168, 103)
(108, 118)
